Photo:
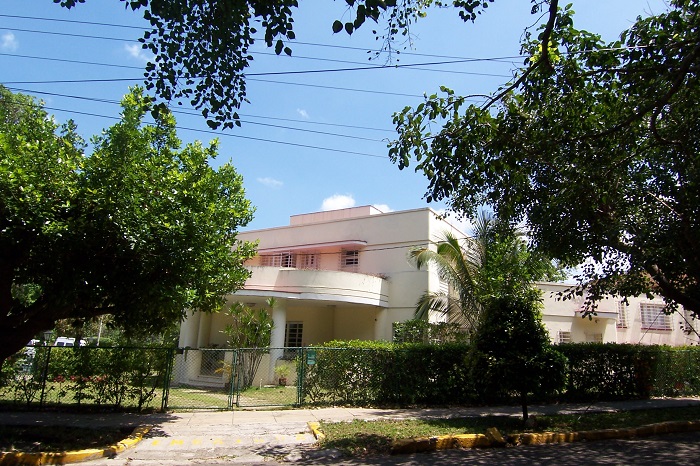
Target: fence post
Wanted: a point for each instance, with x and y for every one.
(301, 375)
(235, 380)
(170, 361)
(44, 375)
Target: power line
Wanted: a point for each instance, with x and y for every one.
(218, 134)
(77, 62)
(269, 73)
(194, 112)
(74, 21)
(369, 91)
(313, 44)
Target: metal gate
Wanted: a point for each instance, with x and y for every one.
(227, 378)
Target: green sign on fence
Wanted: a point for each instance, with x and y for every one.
(311, 357)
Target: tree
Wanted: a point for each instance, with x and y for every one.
(249, 332)
(201, 47)
(143, 228)
(511, 351)
(594, 146)
(494, 262)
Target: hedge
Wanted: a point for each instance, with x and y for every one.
(363, 373)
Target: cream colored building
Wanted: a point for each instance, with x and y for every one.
(640, 321)
(340, 274)
(345, 274)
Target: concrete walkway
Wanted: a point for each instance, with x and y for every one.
(253, 436)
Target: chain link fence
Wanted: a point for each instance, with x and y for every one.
(227, 378)
(677, 374)
(122, 378)
(220, 379)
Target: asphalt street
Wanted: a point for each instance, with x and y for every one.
(672, 449)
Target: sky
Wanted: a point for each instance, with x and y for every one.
(314, 135)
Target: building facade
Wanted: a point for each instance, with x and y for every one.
(640, 320)
(345, 274)
(341, 274)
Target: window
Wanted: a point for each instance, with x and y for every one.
(622, 314)
(563, 336)
(594, 337)
(654, 317)
(284, 259)
(288, 260)
(308, 261)
(292, 334)
(350, 258)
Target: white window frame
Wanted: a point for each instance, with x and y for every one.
(349, 258)
(653, 316)
(594, 337)
(563, 336)
(308, 260)
(282, 259)
(622, 315)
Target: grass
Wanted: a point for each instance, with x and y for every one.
(358, 438)
(193, 398)
(34, 439)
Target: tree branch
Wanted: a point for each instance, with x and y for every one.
(671, 291)
(543, 58)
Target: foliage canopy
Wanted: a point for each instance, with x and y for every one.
(594, 146)
(143, 228)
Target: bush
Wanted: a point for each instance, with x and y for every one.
(604, 371)
(369, 373)
(95, 375)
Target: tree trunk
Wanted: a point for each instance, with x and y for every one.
(13, 339)
(523, 402)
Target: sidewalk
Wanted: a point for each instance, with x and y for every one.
(255, 435)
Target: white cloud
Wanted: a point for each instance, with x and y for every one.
(135, 51)
(8, 42)
(384, 208)
(338, 201)
(270, 182)
(303, 113)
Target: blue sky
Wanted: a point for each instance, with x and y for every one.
(309, 141)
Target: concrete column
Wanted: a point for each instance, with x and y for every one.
(189, 330)
(381, 332)
(279, 319)
(204, 330)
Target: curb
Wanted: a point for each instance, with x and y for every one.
(315, 428)
(493, 438)
(36, 459)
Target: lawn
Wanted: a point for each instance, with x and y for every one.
(375, 437)
(198, 398)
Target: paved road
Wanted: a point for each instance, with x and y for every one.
(278, 437)
(673, 449)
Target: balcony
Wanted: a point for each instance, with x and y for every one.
(332, 286)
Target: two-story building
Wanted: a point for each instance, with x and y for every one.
(345, 274)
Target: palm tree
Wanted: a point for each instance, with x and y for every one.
(458, 262)
(494, 262)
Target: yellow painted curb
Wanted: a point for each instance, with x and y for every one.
(37, 459)
(315, 428)
(442, 442)
(493, 437)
